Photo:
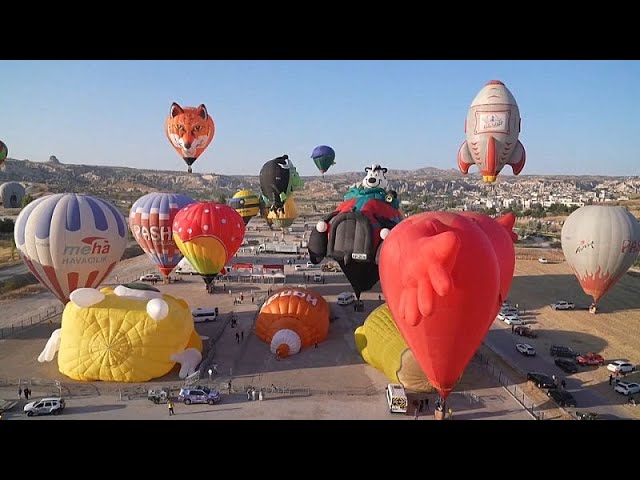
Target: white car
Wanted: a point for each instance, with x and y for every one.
(627, 388)
(345, 298)
(526, 349)
(311, 265)
(562, 305)
(543, 260)
(513, 320)
(620, 366)
(53, 405)
(297, 267)
(150, 277)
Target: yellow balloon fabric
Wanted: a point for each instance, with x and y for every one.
(381, 345)
(207, 255)
(246, 203)
(117, 340)
(286, 219)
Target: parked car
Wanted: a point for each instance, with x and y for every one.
(541, 380)
(589, 359)
(525, 331)
(345, 298)
(566, 365)
(543, 260)
(620, 366)
(158, 396)
(150, 277)
(587, 415)
(627, 388)
(509, 311)
(562, 398)
(560, 351)
(198, 395)
(46, 406)
(562, 305)
(526, 349)
(514, 320)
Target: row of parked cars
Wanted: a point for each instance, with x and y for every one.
(543, 381)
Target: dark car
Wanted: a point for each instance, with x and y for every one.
(524, 331)
(562, 398)
(560, 351)
(541, 380)
(587, 415)
(566, 365)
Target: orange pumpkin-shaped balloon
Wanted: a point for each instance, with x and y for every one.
(190, 130)
(293, 318)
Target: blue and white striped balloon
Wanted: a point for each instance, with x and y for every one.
(70, 241)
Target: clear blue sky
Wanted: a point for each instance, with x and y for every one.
(578, 117)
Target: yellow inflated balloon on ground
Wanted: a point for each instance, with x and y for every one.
(381, 345)
(132, 333)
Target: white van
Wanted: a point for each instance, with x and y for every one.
(396, 398)
(204, 314)
(345, 298)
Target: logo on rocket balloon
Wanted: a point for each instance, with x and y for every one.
(492, 122)
(584, 245)
(91, 250)
(156, 234)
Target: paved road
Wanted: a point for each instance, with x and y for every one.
(502, 341)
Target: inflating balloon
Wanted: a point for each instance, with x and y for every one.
(279, 179)
(492, 128)
(70, 241)
(4, 152)
(353, 233)
(323, 156)
(284, 218)
(151, 222)
(131, 333)
(264, 211)
(190, 130)
(246, 203)
(293, 318)
(208, 234)
(600, 243)
(11, 194)
(381, 345)
(440, 274)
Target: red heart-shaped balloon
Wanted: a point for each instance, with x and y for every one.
(440, 275)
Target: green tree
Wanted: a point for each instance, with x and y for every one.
(26, 200)
(222, 199)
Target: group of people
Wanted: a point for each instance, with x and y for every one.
(26, 392)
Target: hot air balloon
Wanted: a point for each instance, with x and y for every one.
(381, 345)
(151, 220)
(190, 130)
(130, 333)
(600, 243)
(492, 128)
(11, 194)
(323, 156)
(440, 273)
(293, 318)
(264, 212)
(353, 233)
(278, 179)
(208, 234)
(285, 217)
(69, 241)
(4, 152)
(246, 203)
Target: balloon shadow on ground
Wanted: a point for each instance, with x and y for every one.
(552, 288)
(79, 409)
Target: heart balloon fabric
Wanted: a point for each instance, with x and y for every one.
(441, 276)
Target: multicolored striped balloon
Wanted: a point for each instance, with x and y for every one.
(70, 241)
(151, 220)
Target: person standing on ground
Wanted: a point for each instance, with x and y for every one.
(450, 413)
(426, 404)
(242, 335)
(20, 391)
(170, 407)
(237, 337)
(229, 387)
(610, 379)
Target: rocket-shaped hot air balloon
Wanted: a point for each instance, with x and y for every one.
(492, 128)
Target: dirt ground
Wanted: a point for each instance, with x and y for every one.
(612, 332)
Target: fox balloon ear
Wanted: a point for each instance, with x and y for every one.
(175, 110)
(202, 111)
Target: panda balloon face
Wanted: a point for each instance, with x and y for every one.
(376, 177)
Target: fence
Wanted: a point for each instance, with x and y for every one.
(515, 391)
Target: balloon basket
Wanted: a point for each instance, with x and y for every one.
(439, 415)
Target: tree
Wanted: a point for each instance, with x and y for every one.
(222, 199)
(26, 200)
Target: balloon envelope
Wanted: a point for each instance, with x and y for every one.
(246, 203)
(323, 156)
(190, 131)
(151, 222)
(69, 240)
(278, 179)
(4, 152)
(208, 234)
(600, 243)
(440, 275)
